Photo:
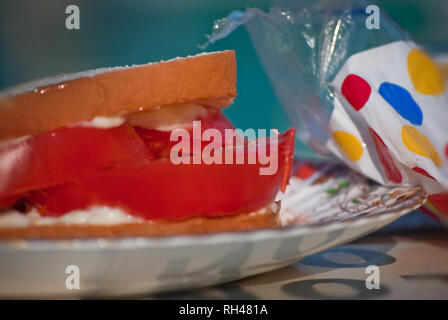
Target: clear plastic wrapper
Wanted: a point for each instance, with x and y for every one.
(371, 98)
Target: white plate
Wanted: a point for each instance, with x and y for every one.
(331, 207)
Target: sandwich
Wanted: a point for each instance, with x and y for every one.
(91, 154)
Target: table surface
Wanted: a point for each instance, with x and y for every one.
(411, 254)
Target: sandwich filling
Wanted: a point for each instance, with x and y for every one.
(120, 168)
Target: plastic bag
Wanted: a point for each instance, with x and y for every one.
(369, 97)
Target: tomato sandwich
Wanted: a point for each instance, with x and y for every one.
(91, 154)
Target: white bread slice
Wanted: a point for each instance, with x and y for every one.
(51, 103)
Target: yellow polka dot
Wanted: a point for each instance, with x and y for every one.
(349, 144)
(416, 142)
(424, 74)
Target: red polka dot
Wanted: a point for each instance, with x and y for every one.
(446, 150)
(440, 201)
(391, 171)
(423, 172)
(356, 90)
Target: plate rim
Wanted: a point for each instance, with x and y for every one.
(212, 238)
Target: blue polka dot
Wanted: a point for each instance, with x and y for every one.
(401, 100)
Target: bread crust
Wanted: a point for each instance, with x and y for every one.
(193, 226)
(117, 92)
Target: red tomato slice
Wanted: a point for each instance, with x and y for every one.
(162, 190)
(9, 202)
(66, 154)
(159, 141)
(75, 152)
